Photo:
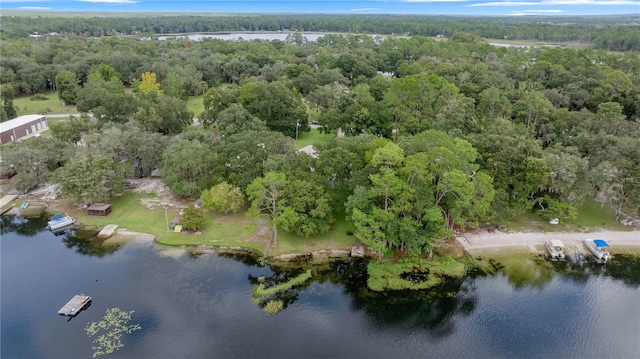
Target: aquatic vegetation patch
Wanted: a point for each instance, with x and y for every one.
(111, 328)
(273, 307)
(272, 299)
(412, 273)
(261, 291)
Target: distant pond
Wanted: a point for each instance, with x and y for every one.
(200, 305)
(310, 36)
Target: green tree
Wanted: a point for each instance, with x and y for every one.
(187, 167)
(90, 176)
(223, 197)
(277, 104)
(241, 157)
(193, 218)
(216, 100)
(71, 131)
(103, 73)
(106, 99)
(235, 119)
(34, 161)
(67, 86)
(378, 211)
(8, 111)
(305, 208)
(264, 194)
(164, 114)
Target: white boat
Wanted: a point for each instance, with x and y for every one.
(598, 248)
(555, 248)
(61, 222)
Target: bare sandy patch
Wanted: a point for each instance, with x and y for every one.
(483, 240)
(163, 196)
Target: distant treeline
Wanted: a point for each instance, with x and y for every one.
(613, 33)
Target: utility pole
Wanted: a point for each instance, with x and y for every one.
(166, 217)
(297, 125)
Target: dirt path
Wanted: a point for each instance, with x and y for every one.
(484, 240)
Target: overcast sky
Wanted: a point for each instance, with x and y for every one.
(433, 7)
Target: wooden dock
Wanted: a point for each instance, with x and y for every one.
(75, 305)
(107, 231)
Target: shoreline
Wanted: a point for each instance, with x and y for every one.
(487, 242)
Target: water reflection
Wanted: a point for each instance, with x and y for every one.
(536, 271)
(433, 310)
(86, 243)
(196, 303)
(623, 267)
(521, 270)
(21, 225)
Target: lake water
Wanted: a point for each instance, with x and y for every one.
(310, 36)
(200, 306)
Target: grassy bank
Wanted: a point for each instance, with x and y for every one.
(128, 212)
(592, 215)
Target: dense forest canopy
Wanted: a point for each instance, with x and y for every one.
(437, 134)
(614, 33)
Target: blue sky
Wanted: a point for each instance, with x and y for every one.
(433, 7)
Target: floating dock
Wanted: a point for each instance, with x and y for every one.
(75, 305)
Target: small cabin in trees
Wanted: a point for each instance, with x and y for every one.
(99, 209)
(22, 127)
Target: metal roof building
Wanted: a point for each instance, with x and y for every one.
(20, 127)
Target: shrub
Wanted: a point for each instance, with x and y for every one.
(38, 97)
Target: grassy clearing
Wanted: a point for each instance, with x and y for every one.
(196, 105)
(52, 104)
(336, 238)
(310, 138)
(591, 216)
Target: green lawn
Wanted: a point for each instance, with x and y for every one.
(310, 138)
(336, 238)
(591, 215)
(129, 213)
(196, 105)
(52, 104)
(233, 230)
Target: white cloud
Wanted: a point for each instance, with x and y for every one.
(365, 9)
(558, 2)
(428, 1)
(534, 12)
(116, 2)
(34, 8)
(506, 3)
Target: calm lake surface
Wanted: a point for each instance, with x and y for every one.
(310, 36)
(200, 306)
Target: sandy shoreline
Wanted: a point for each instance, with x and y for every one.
(484, 240)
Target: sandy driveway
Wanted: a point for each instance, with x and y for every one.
(483, 240)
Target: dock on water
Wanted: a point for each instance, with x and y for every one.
(107, 231)
(75, 305)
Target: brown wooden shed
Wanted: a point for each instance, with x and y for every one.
(99, 209)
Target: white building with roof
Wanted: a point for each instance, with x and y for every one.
(22, 127)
